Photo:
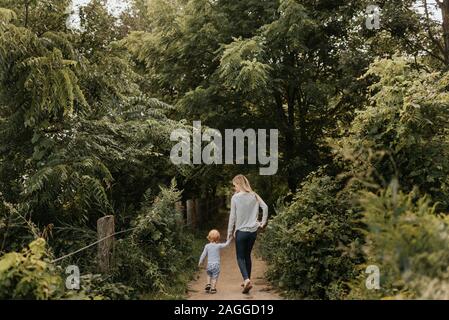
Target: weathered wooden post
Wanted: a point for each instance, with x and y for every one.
(206, 207)
(190, 206)
(180, 209)
(221, 203)
(228, 198)
(178, 206)
(198, 213)
(105, 228)
(217, 204)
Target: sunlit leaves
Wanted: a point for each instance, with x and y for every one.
(52, 87)
(240, 68)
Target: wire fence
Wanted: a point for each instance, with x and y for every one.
(91, 245)
(212, 206)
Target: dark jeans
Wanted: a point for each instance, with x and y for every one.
(244, 242)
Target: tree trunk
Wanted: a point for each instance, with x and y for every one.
(444, 7)
(27, 13)
(288, 131)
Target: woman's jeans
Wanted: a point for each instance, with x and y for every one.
(244, 242)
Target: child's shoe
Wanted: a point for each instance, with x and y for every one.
(207, 288)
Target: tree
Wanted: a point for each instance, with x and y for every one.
(40, 15)
(74, 121)
(266, 64)
(401, 133)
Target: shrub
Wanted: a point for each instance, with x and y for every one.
(100, 287)
(402, 133)
(408, 241)
(156, 256)
(15, 230)
(29, 274)
(307, 244)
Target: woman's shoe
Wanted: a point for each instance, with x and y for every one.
(247, 286)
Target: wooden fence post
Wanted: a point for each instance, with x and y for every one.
(221, 203)
(208, 207)
(190, 212)
(105, 228)
(180, 209)
(198, 213)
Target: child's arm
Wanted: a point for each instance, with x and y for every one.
(224, 245)
(203, 256)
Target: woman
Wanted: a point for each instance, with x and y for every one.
(245, 204)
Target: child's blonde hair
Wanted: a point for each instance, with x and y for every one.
(213, 236)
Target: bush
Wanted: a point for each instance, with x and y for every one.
(156, 257)
(15, 230)
(408, 241)
(402, 133)
(307, 244)
(99, 287)
(29, 274)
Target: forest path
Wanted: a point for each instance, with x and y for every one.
(230, 279)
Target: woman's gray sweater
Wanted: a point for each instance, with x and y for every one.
(245, 212)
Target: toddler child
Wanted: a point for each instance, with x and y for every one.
(212, 251)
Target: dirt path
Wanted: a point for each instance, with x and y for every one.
(228, 285)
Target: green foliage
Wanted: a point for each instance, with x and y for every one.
(240, 69)
(29, 275)
(401, 134)
(268, 63)
(98, 287)
(40, 16)
(84, 133)
(80, 138)
(16, 231)
(310, 245)
(74, 121)
(408, 241)
(403, 131)
(7, 15)
(52, 87)
(156, 256)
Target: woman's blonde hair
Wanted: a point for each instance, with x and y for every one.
(213, 235)
(243, 183)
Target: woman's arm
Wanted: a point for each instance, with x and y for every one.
(231, 222)
(264, 207)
